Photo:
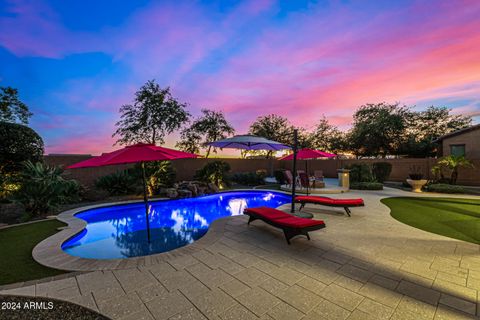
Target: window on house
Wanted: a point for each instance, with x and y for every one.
(457, 150)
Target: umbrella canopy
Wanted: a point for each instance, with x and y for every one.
(140, 152)
(305, 154)
(248, 142)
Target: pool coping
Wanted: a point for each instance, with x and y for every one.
(50, 254)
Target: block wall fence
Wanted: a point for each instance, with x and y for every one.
(186, 168)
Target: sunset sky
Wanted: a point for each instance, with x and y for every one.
(76, 62)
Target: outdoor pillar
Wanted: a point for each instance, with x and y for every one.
(344, 178)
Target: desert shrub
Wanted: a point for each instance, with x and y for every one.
(366, 186)
(444, 188)
(42, 189)
(280, 176)
(248, 178)
(261, 173)
(160, 174)
(360, 172)
(8, 186)
(119, 183)
(381, 171)
(214, 172)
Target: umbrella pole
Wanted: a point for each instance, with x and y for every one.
(308, 177)
(295, 145)
(145, 199)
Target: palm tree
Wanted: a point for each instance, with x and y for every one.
(453, 163)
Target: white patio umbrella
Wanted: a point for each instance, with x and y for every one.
(248, 142)
(251, 142)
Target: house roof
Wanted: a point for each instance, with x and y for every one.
(458, 132)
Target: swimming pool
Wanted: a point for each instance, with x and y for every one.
(120, 231)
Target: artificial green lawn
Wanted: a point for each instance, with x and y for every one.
(451, 217)
(16, 245)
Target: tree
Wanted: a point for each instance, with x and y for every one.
(153, 115)
(273, 127)
(211, 126)
(378, 129)
(11, 108)
(327, 137)
(19, 143)
(426, 126)
(190, 141)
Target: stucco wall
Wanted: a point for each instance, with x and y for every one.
(186, 168)
(470, 139)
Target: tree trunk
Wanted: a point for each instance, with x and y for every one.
(453, 177)
(154, 133)
(208, 152)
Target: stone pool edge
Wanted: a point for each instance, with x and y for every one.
(50, 254)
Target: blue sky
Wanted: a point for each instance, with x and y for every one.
(76, 62)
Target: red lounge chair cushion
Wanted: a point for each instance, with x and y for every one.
(295, 222)
(268, 213)
(349, 202)
(330, 201)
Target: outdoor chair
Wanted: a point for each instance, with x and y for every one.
(292, 226)
(330, 202)
(288, 177)
(304, 180)
(318, 175)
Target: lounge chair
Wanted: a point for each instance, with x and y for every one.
(304, 180)
(318, 175)
(325, 201)
(292, 226)
(288, 177)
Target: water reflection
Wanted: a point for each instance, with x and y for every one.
(119, 231)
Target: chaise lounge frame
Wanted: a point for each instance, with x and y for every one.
(340, 204)
(288, 231)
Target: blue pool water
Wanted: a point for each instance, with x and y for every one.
(120, 231)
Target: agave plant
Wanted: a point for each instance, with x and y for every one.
(452, 163)
(42, 188)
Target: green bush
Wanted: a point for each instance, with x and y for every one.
(444, 188)
(248, 178)
(214, 172)
(360, 172)
(160, 174)
(280, 176)
(8, 186)
(366, 186)
(42, 188)
(119, 183)
(381, 171)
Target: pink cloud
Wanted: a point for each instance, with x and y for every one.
(325, 60)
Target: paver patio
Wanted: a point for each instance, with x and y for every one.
(369, 266)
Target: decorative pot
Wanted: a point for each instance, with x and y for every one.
(417, 184)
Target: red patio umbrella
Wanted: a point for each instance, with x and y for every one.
(139, 152)
(308, 154)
